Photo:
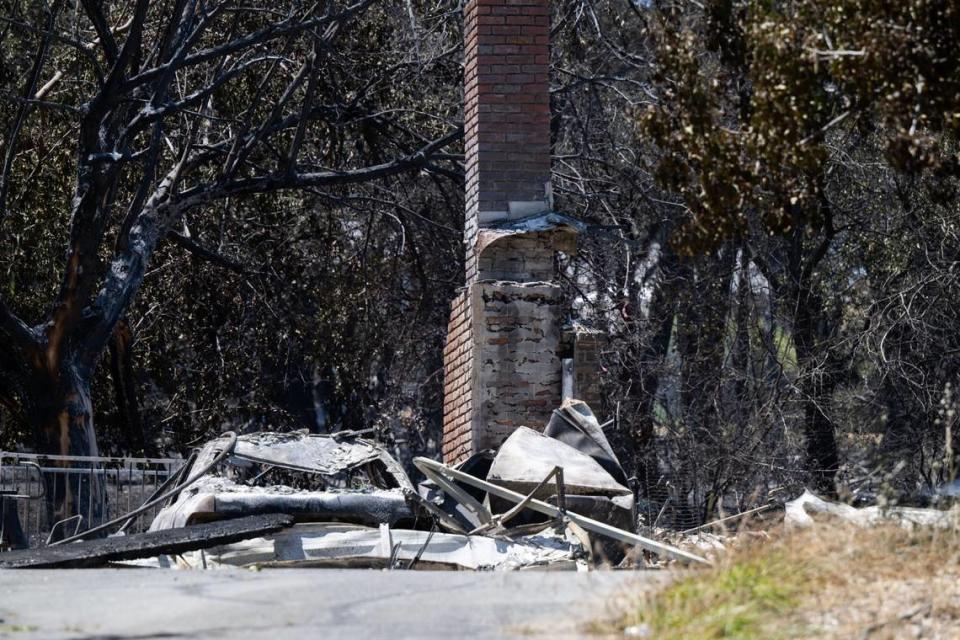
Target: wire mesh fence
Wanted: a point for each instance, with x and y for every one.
(101, 488)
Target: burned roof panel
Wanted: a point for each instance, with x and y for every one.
(320, 454)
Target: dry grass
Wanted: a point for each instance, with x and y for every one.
(830, 581)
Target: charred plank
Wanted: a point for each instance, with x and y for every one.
(93, 553)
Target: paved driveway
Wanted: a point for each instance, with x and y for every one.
(304, 603)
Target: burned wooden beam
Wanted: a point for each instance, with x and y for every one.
(93, 553)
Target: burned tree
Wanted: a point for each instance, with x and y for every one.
(172, 108)
(825, 173)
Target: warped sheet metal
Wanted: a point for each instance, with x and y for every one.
(435, 469)
(252, 481)
(311, 544)
(574, 424)
(477, 465)
(95, 553)
(322, 454)
(526, 457)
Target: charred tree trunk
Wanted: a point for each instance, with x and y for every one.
(61, 411)
(125, 390)
(817, 361)
(650, 369)
(60, 407)
(648, 327)
(701, 341)
(817, 383)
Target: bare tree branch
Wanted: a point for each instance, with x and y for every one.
(282, 180)
(24, 110)
(205, 254)
(16, 328)
(290, 26)
(95, 14)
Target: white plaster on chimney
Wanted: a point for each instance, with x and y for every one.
(566, 392)
(486, 217)
(525, 208)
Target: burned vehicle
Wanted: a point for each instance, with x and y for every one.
(353, 505)
(314, 478)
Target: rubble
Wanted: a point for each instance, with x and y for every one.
(574, 424)
(326, 455)
(339, 545)
(457, 517)
(343, 510)
(527, 456)
(594, 483)
(534, 503)
(436, 470)
(219, 498)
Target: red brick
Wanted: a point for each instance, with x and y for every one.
(507, 157)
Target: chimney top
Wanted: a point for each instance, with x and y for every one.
(507, 113)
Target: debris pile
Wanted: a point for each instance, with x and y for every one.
(808, 508)
(336, 545)
(557, 499)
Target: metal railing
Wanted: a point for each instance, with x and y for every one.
(102, 488)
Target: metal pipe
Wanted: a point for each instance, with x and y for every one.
(538, 505)
(735, 516)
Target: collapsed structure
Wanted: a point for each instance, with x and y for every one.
(507, 349)
(300, 499)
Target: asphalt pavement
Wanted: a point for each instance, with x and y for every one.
(143, 604)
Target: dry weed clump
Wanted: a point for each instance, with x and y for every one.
(829, 581)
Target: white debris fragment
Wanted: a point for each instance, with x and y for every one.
(799, 514)
(638, 631)
(309, 543)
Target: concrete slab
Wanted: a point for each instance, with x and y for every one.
(301, 603)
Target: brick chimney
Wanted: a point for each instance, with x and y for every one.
(506, 114)
(502, 361)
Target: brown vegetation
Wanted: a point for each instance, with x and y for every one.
(829, 581)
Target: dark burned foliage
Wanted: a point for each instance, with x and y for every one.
(784, 187)
(246, 205)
